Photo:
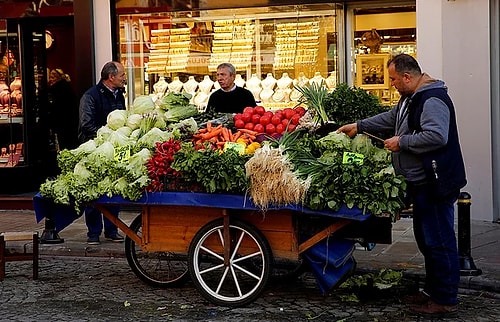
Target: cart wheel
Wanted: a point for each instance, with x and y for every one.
(249, 267)
(161, 269)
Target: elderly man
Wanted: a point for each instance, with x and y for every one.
(229, 98)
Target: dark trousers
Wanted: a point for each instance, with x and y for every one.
(433, 226)
(94, 220)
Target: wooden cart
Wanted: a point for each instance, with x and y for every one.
(224, 243)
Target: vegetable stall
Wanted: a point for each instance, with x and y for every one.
(227, 199)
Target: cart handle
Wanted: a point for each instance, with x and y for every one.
(323, 234)
(120, 224)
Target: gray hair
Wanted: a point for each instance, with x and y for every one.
(229, 66)
(109, 68)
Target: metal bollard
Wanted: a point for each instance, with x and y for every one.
(50, 235)
(467, 266)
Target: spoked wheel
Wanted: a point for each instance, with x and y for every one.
(250, 262)
(160, 269)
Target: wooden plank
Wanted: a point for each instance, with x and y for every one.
(18, 235)
(119, 223)
(322, 235)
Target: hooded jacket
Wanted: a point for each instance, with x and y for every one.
(95, 105)
(436, 120)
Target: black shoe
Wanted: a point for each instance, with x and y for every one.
(93, 241)
(117, 238)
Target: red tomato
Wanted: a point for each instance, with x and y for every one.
(268, 113)
(265, 120)
(239, 124)
(295, 119)
(246, 117)
(280, 128)
(285, 122)
(255, 118)
(248, 109)
(237, 116)
(270, 129)
(300, 110)
(260, 110)
(249, 126)
(291, 127)
(288, 113)
(275, 120)
(259, 128)
(279, 114)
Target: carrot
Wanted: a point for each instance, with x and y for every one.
(202, 130)
(209, 126)
(236, 135)
(211, 134)
(251, 132)
(225, 134)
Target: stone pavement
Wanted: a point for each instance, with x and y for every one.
(402, 254)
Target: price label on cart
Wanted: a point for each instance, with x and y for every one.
(122, 153)
(351, 157)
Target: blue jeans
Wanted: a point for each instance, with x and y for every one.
(433, 227)
(94, 220)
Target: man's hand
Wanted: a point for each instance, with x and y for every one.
(392, 144)
(349, 129)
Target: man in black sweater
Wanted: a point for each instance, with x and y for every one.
(229, 98)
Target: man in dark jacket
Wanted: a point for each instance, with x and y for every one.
(95, 105)
(426, 151)
(229, 98)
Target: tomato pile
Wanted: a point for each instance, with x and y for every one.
(262, 121)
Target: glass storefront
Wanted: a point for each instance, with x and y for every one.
(273, 47)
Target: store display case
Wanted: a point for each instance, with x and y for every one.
(291, 41)
(21, 146)
(11, 108)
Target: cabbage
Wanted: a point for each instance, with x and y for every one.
(361, 143)
(134, 121)
(176, 113)
(136, 134)
(119, 139)
(124, 130)
(103, 134)
(105, 150)
(143, 104)
(117, 119)
(154, 135)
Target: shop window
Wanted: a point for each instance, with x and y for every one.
(295, 43)
(379, 33)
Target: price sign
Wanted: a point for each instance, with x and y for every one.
(235, 146)
(351, 157)
(122, 153)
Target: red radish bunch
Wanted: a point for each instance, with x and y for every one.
(159, 164)
(262, 121)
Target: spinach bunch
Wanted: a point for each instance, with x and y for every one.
(214, 171)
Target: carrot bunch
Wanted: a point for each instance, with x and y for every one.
(220, 134)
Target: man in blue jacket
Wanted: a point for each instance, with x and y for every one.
(95, 105)
(426, 151)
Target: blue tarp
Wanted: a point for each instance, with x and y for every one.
(63, 215)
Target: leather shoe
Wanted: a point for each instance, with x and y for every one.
(434, 309)
(117, 238)
(419, 298)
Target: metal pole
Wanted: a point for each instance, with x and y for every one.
(467, 266)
